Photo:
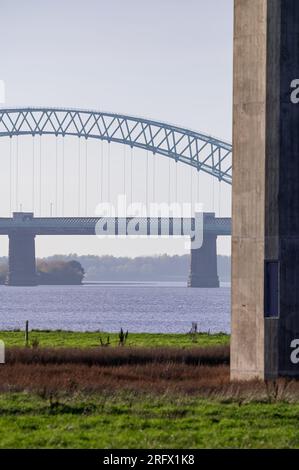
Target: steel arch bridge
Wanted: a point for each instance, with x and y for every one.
(203, 152)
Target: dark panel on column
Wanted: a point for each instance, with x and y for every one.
(22, 265)
(289, 187)
(272, 289)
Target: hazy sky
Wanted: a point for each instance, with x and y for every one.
(169, 60)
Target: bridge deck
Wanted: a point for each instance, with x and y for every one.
(114, 225)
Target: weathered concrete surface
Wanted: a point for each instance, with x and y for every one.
(21, 261)
(265, 186)
(248, 217)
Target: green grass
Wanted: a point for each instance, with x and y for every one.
(85, 340)
(127, 421)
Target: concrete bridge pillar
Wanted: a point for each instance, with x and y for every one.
(265, 251)
(21, 261)
(203, 269)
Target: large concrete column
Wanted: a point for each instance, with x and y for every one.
(265, 243)
(21, 262)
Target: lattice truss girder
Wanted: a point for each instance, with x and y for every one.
(200, 151)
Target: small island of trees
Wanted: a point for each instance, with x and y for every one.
(53, 272)
(59, 272)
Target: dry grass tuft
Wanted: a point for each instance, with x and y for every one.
(200, 371)
(211, 356)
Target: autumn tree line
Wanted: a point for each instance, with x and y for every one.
(73, 269)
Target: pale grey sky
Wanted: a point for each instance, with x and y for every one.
(168, 60)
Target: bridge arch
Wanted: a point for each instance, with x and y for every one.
(203, 152)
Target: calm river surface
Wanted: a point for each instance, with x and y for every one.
(138, 307)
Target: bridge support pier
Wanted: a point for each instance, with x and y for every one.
(265, 244)
(203, 270)
(21, 260)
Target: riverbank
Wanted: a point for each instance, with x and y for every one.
(72, 339)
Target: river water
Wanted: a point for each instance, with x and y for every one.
(139, 307)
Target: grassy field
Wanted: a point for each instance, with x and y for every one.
(92, 339)
(159, 391)
(130, 421)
